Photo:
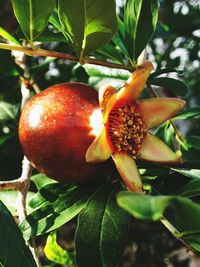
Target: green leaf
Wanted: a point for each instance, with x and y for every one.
(6, 137)
(191, 189)
(7, 111)
(140, 20)
(153, 172)
(59, 206)
(48, 194)
(48, 36)
(7, 64)
(132, 11)
(164, 71)
(166, 133)
(110, 51)
(56, 253)
(102, 230)
(9, 198)
(101, 75)
(89, 23)
(184, 214)
(187, 214)
(118, 39)
(146, 25)
(33, 15)
(189, 153)
(8, 36)
(176, 86)
(193, 141)
(191, 173)
(192, 113)
(41, 180)
(13, 250)
(142, 206)
(54, 19)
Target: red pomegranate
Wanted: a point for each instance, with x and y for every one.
(55, 131)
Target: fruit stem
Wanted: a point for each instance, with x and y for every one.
(47, 53)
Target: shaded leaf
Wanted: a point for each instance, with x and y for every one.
(13, 250)
(6, 137)
(146, 25)
(105, 225)
(192, 173)
(164, 71)
(110, 51)
(191, 189)
(140, 20)
(89, 24)
(118, 39)
(176, 86)
(166, 133)
(189, 153)
(7, 65)
(153, 172)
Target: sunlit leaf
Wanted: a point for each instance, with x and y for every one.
(8, 36)
(89, 24)
(9, 198)
(33, 15)
(99, 76)
(56, 206)
(41, 180)
(56, 253)
(192, 113)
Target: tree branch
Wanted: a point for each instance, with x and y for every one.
(47, 53)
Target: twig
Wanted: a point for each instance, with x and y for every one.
(47, 53)
(175, 233)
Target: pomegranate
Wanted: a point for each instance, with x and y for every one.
(56, 128)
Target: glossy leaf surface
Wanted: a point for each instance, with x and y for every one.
(33, 15)
(105, 225)
(88, 23)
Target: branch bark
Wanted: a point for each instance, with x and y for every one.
(48, 53)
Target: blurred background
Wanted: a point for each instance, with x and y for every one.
(175, 44)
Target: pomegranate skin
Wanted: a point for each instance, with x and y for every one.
(55, 133)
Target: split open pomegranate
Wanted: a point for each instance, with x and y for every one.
(56, 128)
